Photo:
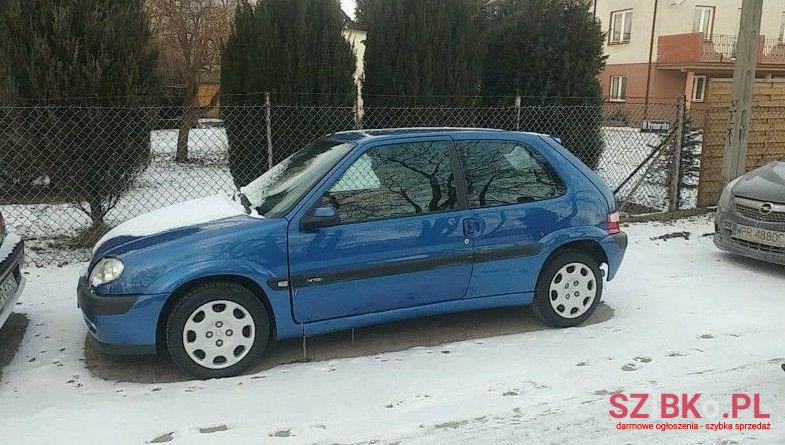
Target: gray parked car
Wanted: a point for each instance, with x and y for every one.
(11, 280)
(750, 218)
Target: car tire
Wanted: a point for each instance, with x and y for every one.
(217, 330)
(561, 302)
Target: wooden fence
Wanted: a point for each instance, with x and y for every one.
(767, 133)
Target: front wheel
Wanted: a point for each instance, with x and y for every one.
(568, 290)
(217, 330)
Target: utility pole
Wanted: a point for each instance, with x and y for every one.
(735, 160)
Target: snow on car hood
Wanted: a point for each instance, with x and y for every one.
(184, 214)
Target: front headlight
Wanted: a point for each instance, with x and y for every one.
(727, 195)
(106, 271)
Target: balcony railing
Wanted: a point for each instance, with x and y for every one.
(719, 49)
(693, 48)
(773, 51)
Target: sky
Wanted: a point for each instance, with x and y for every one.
(348, 6)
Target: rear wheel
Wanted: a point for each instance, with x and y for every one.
(217, 330)
(568, 290)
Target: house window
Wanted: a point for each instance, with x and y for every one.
(703, 21)
(698, 88)
(618, 88)
(621, 26)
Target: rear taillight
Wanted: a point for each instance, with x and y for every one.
(612, 223)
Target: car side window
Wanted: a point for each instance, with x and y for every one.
(506, 172)
(395, 181)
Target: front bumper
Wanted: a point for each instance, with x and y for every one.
(615, 246)
(121, 324)
(723, 239)
(11, 269)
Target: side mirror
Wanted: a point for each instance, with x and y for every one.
(322, 216)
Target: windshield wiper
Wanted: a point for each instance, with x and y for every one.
(245, 202)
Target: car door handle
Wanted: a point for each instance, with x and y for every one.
(471, 227)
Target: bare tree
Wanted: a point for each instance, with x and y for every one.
(190, 33)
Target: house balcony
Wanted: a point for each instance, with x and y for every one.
(692, 52)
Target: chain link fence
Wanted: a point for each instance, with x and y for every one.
(68, 173)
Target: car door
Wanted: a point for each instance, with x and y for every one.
(515, 198)
(400, 240)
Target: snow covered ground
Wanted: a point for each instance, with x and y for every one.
(684, 318)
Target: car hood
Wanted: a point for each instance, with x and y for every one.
(180, 218)
(764, 184)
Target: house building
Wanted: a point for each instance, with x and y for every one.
(667, 48)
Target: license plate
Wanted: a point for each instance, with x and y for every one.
(8, 289)
(760, 236)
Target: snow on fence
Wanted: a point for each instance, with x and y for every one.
(67, 174)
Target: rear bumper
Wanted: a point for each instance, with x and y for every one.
(724, 221)
(615, 246)
(121, 324)
(11, 269)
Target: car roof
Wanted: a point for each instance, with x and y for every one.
(392, 133)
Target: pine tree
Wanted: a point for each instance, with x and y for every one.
(82, 56)
(550, 53)
(428, 50)
(661, 172)
(691, 146)
(360, 13)
(6, 86)
(295, 50)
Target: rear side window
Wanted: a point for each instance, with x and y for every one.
(395, 181)
(504, 172)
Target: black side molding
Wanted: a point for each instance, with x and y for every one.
(414, 265)
(485, 254)
(380, 270)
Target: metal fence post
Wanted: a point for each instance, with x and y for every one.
(518, 113)
(675, 184)
(358, 109)
(269, 126)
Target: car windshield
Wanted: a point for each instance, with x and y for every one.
(275, 193)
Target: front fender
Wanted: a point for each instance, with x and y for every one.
(278, 298)
(182, 275)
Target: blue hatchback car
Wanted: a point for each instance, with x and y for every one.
(358, 228)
